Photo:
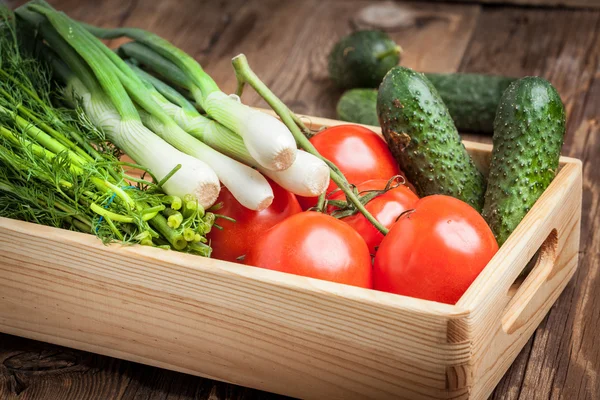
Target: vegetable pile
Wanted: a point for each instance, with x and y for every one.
(399, 214)
(56, 167)
(471, 99)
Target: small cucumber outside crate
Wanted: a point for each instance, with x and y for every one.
(288, 334)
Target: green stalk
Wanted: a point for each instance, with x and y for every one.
(148, 184)
(38, 150)
(113, 228)
(181, 59)
(174, 218)
(43, 138)
(321, 202)
(173, 201)
(200, 248)
(174, 237)
(136, 166)
(189, 234)
(46, 128)
(145, 238)
(189, 208)
(109, 214)
(56, 135)
(151, 212)
(128, 201)
(170, 94)
(65, 208)
(70, 31)
(245, 74)
(79, 225)
(150, 58)
(168, 176)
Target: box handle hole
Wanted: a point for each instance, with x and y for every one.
(529, 282)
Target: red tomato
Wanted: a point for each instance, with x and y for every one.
(358, 152)
(238, 237)
(385, 208)
(435, 252)
(315, 245)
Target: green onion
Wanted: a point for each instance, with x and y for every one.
(246, 184)
(277, 152)
(308, 176)
(244, 74)
(57, 169)
(107, 104)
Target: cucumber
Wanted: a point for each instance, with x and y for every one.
(358, 105)
(529, 131)
(423, 139)
(362, 59)
(472, 99)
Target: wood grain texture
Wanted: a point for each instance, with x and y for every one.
(541, 3)
(562, 360)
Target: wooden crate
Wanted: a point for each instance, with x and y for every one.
(288, 334)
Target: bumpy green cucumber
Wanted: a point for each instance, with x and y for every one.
(472, 99)
(423, 139)
(358, 105)
(361, 59)
(528, 134)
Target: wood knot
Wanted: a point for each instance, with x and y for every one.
(41, 361)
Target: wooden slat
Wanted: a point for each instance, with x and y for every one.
(433, 36)
(542, 3)
(497, 344)
(556, 362)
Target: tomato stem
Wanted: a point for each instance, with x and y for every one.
(244, 74)
(321, 203)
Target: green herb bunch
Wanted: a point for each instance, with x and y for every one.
(57, 168)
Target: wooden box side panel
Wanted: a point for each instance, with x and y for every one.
(505, 314)
(267, 330)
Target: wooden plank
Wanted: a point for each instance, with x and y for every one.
(36, 370)
(495, 343)
(291, 57)
(566, 352)
(433, 36)
(541, 3)
(557, 362)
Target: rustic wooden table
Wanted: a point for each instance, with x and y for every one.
(287, 44)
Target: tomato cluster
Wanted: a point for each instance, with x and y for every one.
(435, 248)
